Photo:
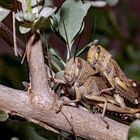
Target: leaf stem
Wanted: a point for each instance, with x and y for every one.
(28, 4)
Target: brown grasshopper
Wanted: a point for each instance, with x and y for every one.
(101, 60)
(80, 78)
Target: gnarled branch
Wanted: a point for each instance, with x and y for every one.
(83, 123)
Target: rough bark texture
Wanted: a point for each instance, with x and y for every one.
(39, 104)
(83, 123)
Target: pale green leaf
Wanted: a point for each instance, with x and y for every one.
(3, 116)
(134, 130)
(47, 11)
(55, 54)
(3, 13)
(97, 3)
(29, 17)
(26, 17)
(14, 138)
(43, 16)
(60, 75)
(73, 13)
(35, 2)
(24, 30)
(112, 2)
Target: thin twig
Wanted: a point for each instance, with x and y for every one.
(14, 35)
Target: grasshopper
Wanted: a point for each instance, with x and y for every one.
(101, 60)
(85, 85)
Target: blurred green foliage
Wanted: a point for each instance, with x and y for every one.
(134, 131)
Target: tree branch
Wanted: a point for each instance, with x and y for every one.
(38, 76)
(83, 123)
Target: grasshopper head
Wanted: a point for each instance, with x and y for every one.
(93, 54)
(72, 70)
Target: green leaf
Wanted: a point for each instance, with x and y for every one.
(14, 138)
(112, 2)
(54, 53)
(43, 17)
(24, 30)
(3, 116)
(3, 13)
(47, 11)
(134, 130)
(57, 62)
(135, 138)
(27, 17)
(73, 13)
(59, 75)
(35, 2)
(97, 3)
(35, 20)
(55, 21)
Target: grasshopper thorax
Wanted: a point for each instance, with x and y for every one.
(72, 70)
(97, 56)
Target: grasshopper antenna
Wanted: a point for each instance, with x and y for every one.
(93, 38)
(96, 41)
(79, 39)
(77, 46)
(68, 46)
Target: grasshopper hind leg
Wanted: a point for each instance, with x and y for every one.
(106, 90)
(103, 114)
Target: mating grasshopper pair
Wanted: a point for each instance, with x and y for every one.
(84, 81)
(102, 62)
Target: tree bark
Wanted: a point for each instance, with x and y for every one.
(39, 104)
(83, 123)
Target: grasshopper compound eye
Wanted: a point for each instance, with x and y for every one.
(79, 64)
(98, 49)
(97, 53)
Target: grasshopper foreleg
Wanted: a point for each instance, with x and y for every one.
(77, 99)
